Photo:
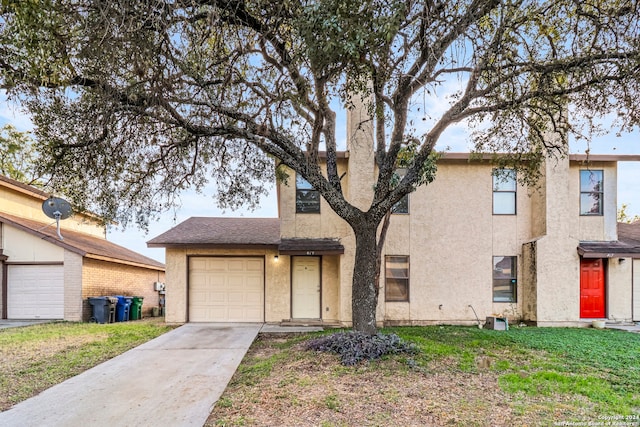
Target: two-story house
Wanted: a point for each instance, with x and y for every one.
(49, 275)
(469, 245)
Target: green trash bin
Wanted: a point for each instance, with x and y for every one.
(136, 308)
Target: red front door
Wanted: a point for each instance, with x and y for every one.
(592, 288)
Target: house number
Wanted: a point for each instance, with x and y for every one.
(311, 253)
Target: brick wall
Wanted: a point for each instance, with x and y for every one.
(73, 305)
(102, 278)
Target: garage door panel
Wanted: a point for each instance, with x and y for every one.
(35, 292)
(253, 298)
(226, 289)
(255, 265)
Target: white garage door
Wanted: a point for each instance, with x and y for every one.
(226, 289)
(636, 290)
(35, 292)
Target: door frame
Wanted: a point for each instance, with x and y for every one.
(605, 288)
(291, 268)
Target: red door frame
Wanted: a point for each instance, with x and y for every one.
(592, 288)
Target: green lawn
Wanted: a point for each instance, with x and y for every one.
(600, 365)
(461, 376)
(36, 357)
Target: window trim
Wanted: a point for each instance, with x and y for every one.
(307, 190)
(600, 192)
(393, 208)
(401, 172)
(497, 191)
(513, 278)
(408, 279)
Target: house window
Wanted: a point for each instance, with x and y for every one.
(504, 278)
(401, 206)
(591, 186)
(504, 192)
(307, 198)
(396, 278)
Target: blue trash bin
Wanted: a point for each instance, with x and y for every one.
(122, 309)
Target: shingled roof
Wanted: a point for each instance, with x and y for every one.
(213, 231)
(627, 245)
(629, 233)
(236, 233)
(82, 244)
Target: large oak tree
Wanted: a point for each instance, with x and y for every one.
(135, 100)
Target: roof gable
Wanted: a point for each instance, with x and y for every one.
(83, 244)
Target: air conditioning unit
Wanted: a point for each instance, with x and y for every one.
(158, 286)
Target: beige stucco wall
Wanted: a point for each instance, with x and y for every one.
(451, 236)
(529, 281)
(619, 294)
(325, 224)
(331, 288)
(26, 205)
(277, 301)
(277, 283)
(552, 292)
(21, 246)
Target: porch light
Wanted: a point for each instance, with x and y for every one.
(275, 257)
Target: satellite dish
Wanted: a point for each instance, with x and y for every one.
(57, 208)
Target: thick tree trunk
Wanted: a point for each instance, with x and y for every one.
(364, 293)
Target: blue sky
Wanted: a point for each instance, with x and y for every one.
(455, 139)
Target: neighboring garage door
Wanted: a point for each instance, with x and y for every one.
(35, 292)
(226, 289)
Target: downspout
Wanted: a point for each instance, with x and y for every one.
(3, 265)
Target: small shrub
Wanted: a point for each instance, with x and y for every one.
(354, 347)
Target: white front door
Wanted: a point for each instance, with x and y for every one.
(305, 288)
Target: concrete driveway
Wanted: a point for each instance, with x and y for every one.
(4, 323)
(173, 380)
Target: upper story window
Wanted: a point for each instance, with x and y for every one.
(504, 192)
(396, 269)
(591, 194)
(401, 206)
(504, 278)
(307, 198)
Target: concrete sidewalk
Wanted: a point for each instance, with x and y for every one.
(173, 380)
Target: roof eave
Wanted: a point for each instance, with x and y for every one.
(585, 253)
(124, 262)
(182, 245)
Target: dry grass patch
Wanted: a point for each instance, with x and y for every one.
(281, 384)
(37, 357)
